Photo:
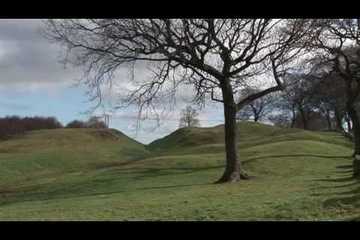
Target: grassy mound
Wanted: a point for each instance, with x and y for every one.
(86, 174)
(53, 152)
(202, 140)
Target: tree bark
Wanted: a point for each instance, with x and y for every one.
(348, 122)
(328, 119)
(338, 120)
(232, 171)
(356, 132)
(293, 118)
(256, 114)
(303, 118)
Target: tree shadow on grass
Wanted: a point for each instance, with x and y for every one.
(343, 196)
(174, 186)
(294, 156)
(352, 201)
(341, 186)
(157, 172)
(336, 180)
(99, 186)
(118, 178)
(347, 166)
(345, 181)
(344, 168)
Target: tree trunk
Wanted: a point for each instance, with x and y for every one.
(328, 119)
(356, 132)
(338, 120)
(348, 122)
(303, 118)
(232, 171)
(293, 118)
(256, 114)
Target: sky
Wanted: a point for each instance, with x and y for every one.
(34, 82)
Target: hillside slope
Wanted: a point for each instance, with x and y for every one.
(54, 152)
(297, 175)
(249, 134)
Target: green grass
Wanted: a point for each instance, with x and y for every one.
(75, 174)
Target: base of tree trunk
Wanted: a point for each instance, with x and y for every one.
(234, 177)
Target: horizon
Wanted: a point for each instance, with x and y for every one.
(35, 83)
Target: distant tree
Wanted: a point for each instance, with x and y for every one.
(280, 120)
(258, 109)
(216, 56)
(76, 124)
(328, 98)
(296, 99)
(189, 118)
(95, 122)
(51, 123)
(14, 125)
(315, 121)
(337, 43)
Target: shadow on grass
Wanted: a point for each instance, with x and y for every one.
(174, 186)
(336, 180)
(111, 183)
(348, 166)
(156, 172)
(123, 178)
(343, 195)
(116, 179)
(294, 155)
(352, 200)
(341, 186)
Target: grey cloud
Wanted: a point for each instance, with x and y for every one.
(19, 29)
(26, 57)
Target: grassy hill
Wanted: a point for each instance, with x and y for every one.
(250, 134)
(102, 174)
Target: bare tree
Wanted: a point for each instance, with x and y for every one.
(311, 98)
(215, 56)
(95, 122)
(328, 98)
(258, 109)
(337, 42)
(294, 100)
(189, 117)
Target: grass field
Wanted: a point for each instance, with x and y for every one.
(83, 174)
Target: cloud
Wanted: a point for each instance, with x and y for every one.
(27, 59)
(29, 63)
(126, 120)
